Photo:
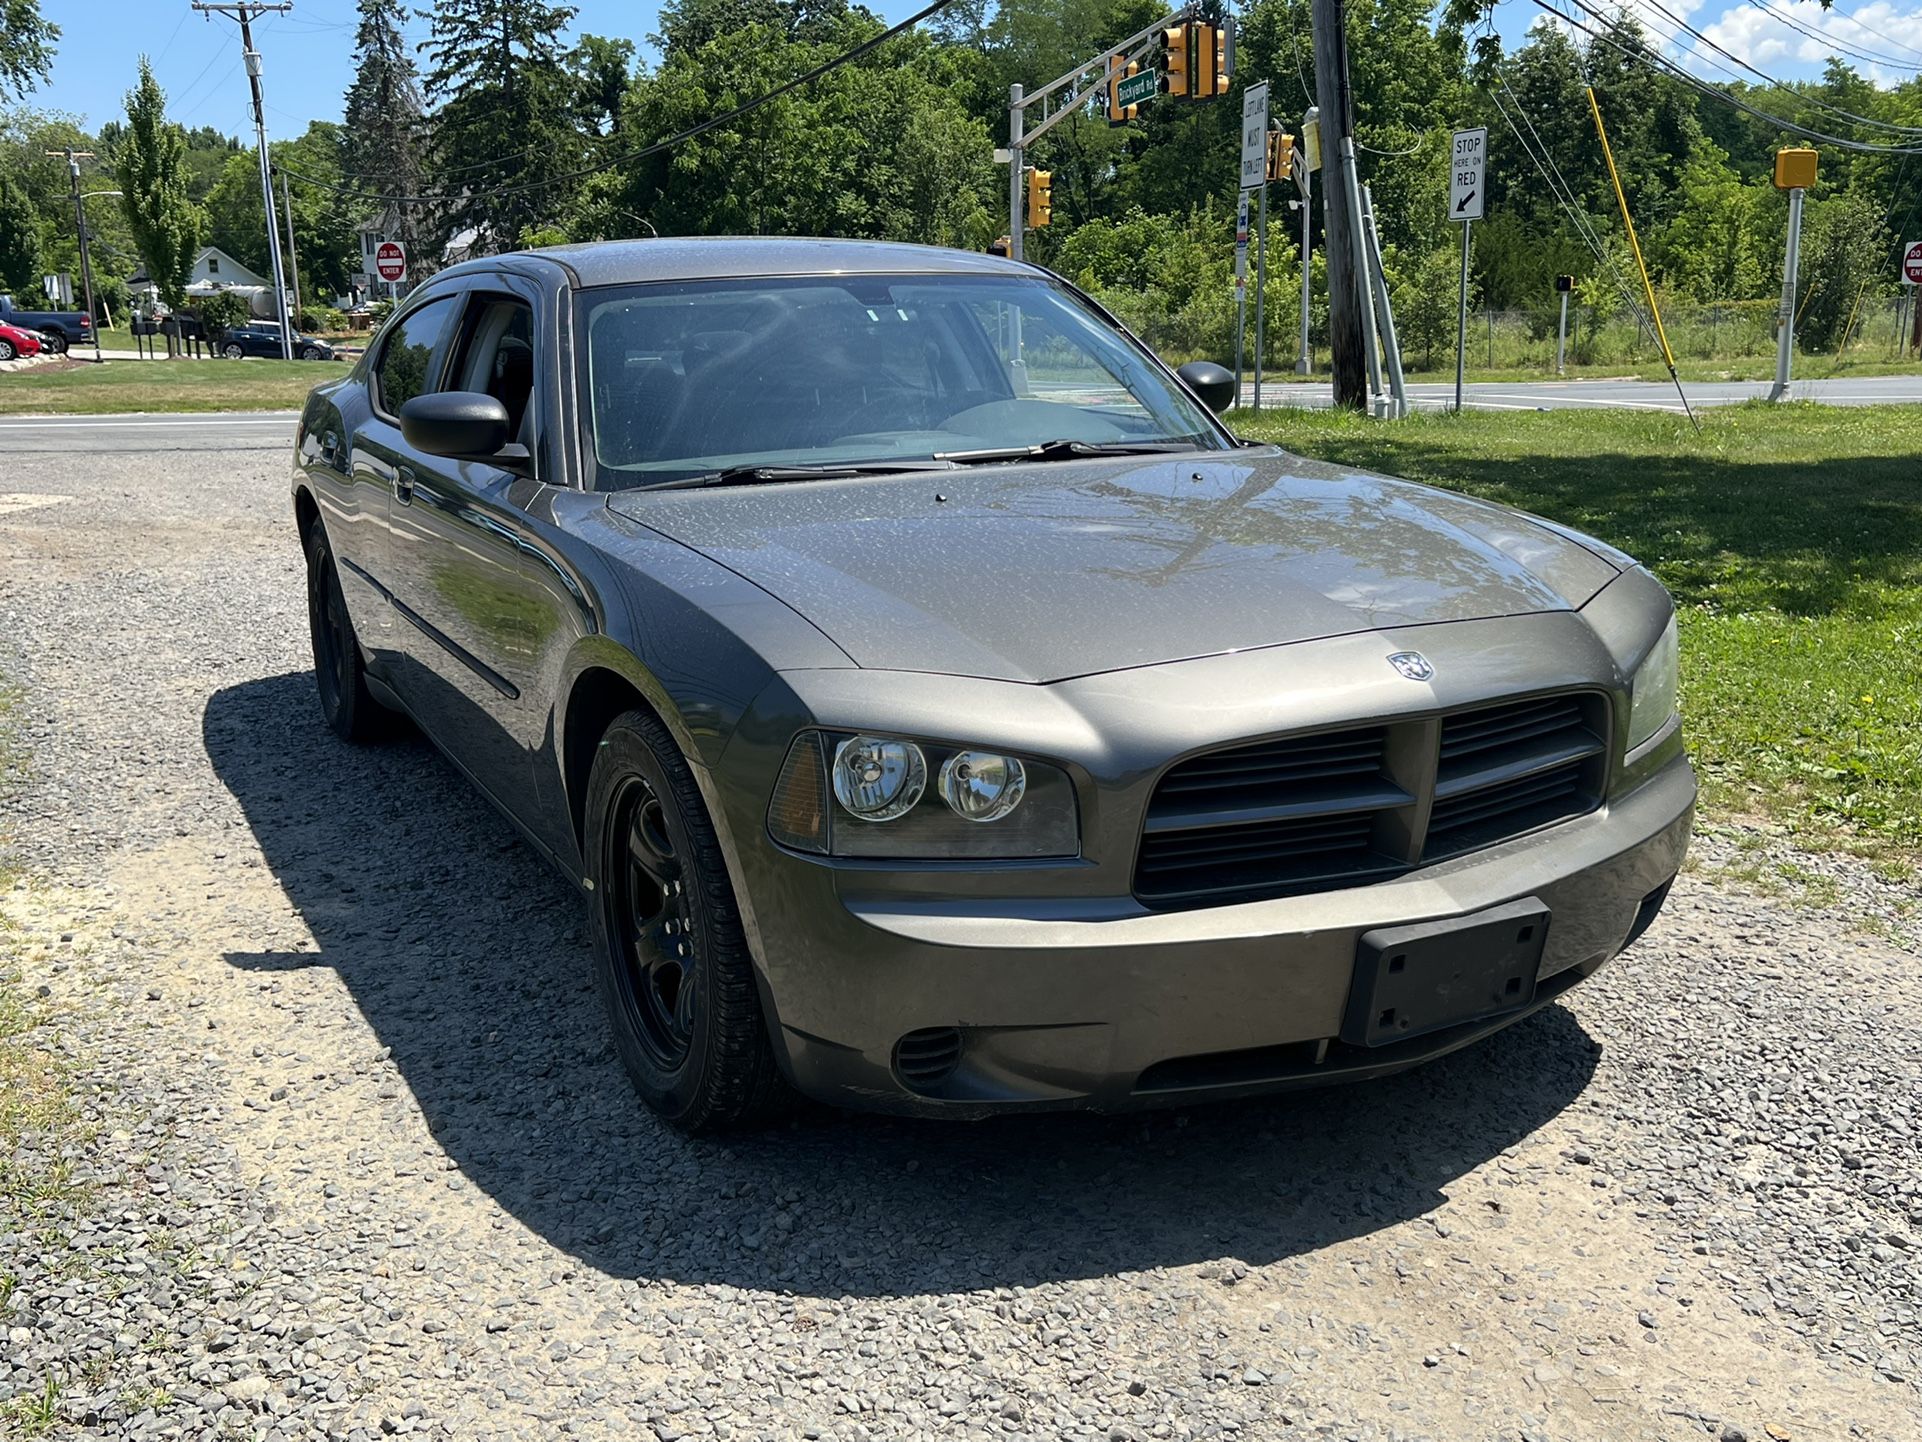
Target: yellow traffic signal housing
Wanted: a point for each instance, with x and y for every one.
(1040, 197)
(1281, 155)
(1174, 61)
(1119, 114)
(1794, 169)
(1208, 72)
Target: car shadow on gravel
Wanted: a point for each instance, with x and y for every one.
(468, 957)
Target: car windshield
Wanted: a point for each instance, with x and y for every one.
(693, 378)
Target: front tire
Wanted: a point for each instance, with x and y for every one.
(340, 674)
(310, 353)
(672, 959)
(7, 350)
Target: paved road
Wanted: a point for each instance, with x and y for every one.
(1614, 394)
(95, 435)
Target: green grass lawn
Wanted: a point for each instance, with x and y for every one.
(118, 387)
(1791, 538)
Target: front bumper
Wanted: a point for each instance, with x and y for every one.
(1169, 1008)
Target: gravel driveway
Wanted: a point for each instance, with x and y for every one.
(363, 1162)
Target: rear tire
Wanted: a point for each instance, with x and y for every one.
(672, 960)
(54, 344)
(340, 674)
(232, 352)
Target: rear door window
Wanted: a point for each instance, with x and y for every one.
(410, 357)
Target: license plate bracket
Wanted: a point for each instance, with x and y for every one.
(1410, 980)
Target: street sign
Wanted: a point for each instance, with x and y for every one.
(1254, 136)
(1912, 263)
(390, 261)
(1140, 88)
(1466, 175)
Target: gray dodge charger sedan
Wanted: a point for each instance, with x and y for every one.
(941, 712)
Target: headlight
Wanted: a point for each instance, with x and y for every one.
(981, 786)
(867, 795)
(877, 779)
(1654, 690)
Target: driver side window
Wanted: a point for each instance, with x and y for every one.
(496, 358)
(409, 358)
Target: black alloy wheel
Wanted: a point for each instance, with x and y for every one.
(652, 925)
(672, 959)
(339, 672)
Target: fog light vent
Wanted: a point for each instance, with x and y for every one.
(926, 1058)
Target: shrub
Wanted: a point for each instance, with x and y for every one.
(222, 310)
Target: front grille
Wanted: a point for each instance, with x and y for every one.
(1344, 808)
(1508, 769)
(1299, 814)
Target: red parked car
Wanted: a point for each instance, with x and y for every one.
(16, 342)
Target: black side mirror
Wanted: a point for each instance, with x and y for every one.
(1214, 386)
(462, 425)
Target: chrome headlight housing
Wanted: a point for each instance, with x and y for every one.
(867, 795)
(1654, 693)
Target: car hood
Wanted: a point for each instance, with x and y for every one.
(1039, 572)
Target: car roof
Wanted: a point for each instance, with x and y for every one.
(708, 257)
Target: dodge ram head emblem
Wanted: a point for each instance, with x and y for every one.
(1413, 665)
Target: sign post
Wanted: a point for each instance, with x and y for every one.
(1795, 173)
(390, 263)
(1241, 288)
(1254, 175)
(1465, 203)
(1305, 166)
(1911, 279)
(1564, 284)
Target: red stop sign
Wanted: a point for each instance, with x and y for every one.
(1912, 263)
(390, 261)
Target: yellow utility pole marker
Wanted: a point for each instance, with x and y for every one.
(1668, 356)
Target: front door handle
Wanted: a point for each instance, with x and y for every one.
(404, 486)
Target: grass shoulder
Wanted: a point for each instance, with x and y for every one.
(1791, 539)
(120, 387)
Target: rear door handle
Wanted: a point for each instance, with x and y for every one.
(404, 486)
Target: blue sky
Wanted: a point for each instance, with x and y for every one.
(197, 59)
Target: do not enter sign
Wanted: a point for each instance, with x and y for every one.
(1912, 262)
(390, 261)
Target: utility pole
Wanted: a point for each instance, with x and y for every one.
(1304, 178)
(1794, 172)
(293, 260)
(246, 13)
(1335, 101)
(74, 157)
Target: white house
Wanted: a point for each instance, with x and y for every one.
(213, 270)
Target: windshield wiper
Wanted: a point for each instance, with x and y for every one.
(829, 471)
(1064, 450)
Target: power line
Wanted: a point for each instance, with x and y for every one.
(1642, 55)
(1817, 101)
(1796, 24)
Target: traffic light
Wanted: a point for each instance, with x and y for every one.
(1174, 61)
(1040, 197)
(1281, 155)
(1208, 69)
(1119, 114)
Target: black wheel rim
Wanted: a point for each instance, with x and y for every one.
(333, 635)
(657, 952)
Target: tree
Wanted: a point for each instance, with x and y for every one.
(152, 172)
(383, 131)
(502, 139)
(26, 46)
(19, 239)
(324, 237)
